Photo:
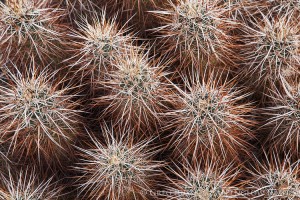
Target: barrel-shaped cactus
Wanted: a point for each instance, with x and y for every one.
(202, 181)
(149, 99)
(98, 42)
(283, 118)
(271, 48)
(275, 178)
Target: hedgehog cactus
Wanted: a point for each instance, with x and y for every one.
(185, 92)
(283, 118)
(198, 182)
(29, 27)
(37, 116)
(118, 169)
(135, 91)
(207, 115)
(198, 30)
(24, 186)
(271, 50)
(276, 179)
(99, 42)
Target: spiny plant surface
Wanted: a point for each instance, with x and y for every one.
(100, 41)
(186, 99)
(207, 115)
(276, 179)
(29, 27)
(117, 168)
(197, 182)
(25, 186)
(35, 114)
(283, 118)
(271, 50)
(197, 30)
(134, 91)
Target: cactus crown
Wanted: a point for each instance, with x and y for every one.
(195, 19)
(102, 38)
(35, 101)
(276, 46)
(23, 17)
(206, 108)
(203, 186)
(119, 162)
(32, 101)
(19, 6)
(136, 77)
(198, 183)
(279, 42)
(281, 183)
(118, 168)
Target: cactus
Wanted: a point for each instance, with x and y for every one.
(198, 182)
(275, 179)
(99, 42)
(198, 30)
(25, 186)
(180, 96)
(283, 118)
(118, 168)
(37, 116)
(271, 48)
(207, 115)
(135, 91)
(30, 27)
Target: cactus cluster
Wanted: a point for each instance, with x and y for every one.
(149, 99)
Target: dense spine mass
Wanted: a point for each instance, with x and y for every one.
(209, 118)
(38, 119)
(118, 169)
(149, 99)
(30, 28)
